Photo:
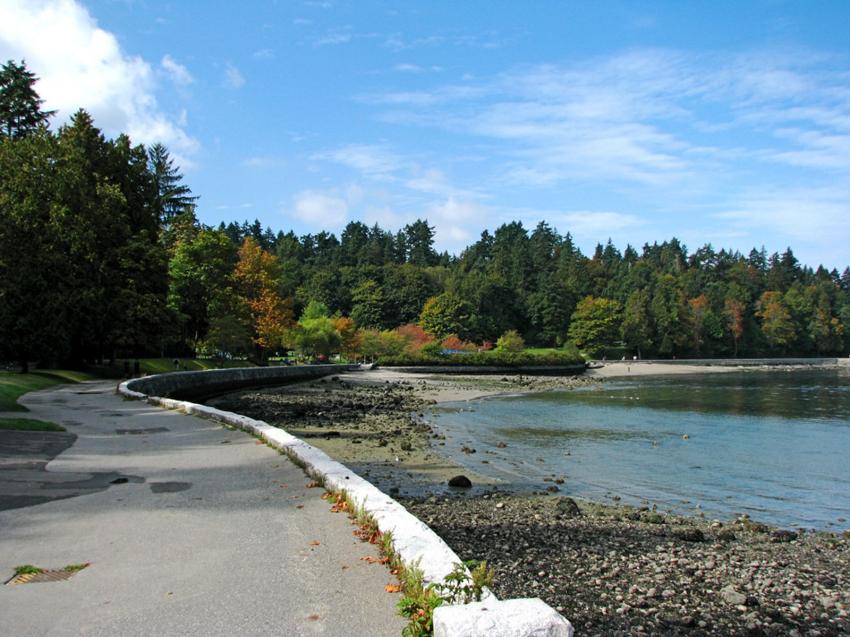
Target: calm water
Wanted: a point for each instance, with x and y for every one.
(775, 445)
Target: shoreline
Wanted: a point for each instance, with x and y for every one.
(610, 569)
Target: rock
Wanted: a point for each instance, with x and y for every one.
(783, 535)
(732, 596)
(689, 535)
(726, 535)
(567, 507)
(653, 518)
(461, 482)
(501, 445)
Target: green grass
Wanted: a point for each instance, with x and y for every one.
(28, 569)
(73, 568)
(162, 365)
(13, 386)
(27, 424)
(542, 350)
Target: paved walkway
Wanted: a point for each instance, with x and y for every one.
(210, 534)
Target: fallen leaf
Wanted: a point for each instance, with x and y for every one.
(315, 543)
(299, 506)
(313, 485)
(312, 618)
(392, 588)
(259, 442)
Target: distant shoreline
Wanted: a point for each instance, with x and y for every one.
(632, 368)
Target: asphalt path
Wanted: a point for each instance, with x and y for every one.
(189, 528)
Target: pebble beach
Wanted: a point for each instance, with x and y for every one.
(611, 570)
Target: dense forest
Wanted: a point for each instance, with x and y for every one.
(102, 256)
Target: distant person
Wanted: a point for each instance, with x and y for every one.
(176, 364)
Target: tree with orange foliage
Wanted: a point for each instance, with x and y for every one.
(256, 277)
(416, 337)
(697, 308)
(734, 312)
(348, 333)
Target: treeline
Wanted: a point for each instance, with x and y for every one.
(102, 256)
(662, 301)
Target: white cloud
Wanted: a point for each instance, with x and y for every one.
(233, 78)
(83, 66)
(264, 54)
(643, 117)
(370, 159)
(594, 225)
(178, 73)
(408, 68)
(319, 209)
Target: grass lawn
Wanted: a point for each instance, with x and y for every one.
(543, 350)
(27, 424)
(162, 365)
(14, 385)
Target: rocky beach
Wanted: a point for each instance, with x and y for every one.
(612, 570)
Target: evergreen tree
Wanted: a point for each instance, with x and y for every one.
(172, 196)
(20, 105)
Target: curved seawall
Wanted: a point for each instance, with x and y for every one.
(413, 541)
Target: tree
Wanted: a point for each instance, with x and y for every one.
(594, 325)
(419, 240)
(199, 269)
(20, 105)
(698, 308)
(368, 305)
(636, 328)
(446, 314)
(255, 276)
(415, 336)
(172, 196)
(776, 323)
(733, 310)
(33, 325)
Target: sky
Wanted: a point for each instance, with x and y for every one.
(712, 121)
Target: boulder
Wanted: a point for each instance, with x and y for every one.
(461, 482)
(567, 507)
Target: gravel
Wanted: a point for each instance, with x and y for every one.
(628, 571)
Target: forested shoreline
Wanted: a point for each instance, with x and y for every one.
(102, 255)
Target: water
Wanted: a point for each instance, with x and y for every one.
(775, 445)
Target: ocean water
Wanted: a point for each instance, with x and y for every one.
(774, 445)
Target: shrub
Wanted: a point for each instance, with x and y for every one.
(427, 356)
(453, 342)
(510, 341)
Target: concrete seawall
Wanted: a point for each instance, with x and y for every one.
(200, 385)
(413, 540)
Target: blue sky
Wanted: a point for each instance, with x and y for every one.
(720, 122)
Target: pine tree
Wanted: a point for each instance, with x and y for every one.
(20, 105)
(172, 196)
